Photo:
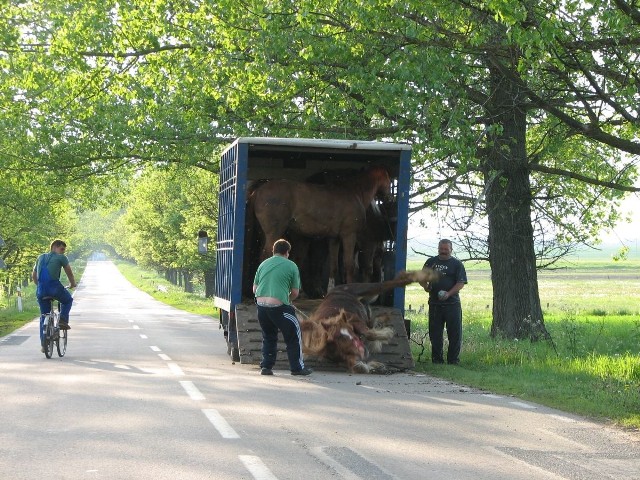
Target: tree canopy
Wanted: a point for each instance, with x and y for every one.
(523, 116)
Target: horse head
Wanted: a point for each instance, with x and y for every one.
(380, 178)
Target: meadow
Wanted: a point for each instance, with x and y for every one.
(592, 366)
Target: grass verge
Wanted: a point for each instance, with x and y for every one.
(164, 291)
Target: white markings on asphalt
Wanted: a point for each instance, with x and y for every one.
(524, 405)
(175, 369)
(491, 395)
(131, 320)
(545, 473)
(191, 390)
(344, 472)
(155, 349)
(144, 337)
(256, 468)
(136, 327)
(220, 424)
(164, 356)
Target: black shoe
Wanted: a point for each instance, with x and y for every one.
(64, 325)
(266, 371)
(304, 371)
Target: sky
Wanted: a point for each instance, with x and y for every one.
(623, 234)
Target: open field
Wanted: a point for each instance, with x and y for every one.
(588, 287)
(592, 311)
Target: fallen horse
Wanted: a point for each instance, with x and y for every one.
(342, 328)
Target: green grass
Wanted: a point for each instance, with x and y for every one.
(591, 310)
(149, 281)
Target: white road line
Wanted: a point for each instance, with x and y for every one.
(144, 337)
(155, 349)
(524, 405)
(220, 423)
(136, 327)
(175, 369)
(191, 390)
(523, 463)
(491, 395)
(344, 473)
(256, 468)
(164, 356)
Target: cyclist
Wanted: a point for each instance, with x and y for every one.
(46, 274)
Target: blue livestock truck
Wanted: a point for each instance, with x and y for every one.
(250, 161)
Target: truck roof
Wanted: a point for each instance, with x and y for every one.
(321, 143)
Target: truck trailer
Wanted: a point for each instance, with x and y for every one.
(250, 161)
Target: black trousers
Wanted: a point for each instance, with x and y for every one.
(449, 316)
(281, 318)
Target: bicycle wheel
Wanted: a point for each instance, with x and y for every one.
(61, 342)
(49, 332)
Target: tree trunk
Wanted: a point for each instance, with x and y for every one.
(209, 280)
(188, 281)
(516, 302)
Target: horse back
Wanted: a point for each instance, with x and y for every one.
(309, 208)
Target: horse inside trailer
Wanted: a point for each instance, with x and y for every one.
(250, 164)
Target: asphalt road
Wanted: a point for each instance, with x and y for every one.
(148, 392)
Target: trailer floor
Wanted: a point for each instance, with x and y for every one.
(396, 354)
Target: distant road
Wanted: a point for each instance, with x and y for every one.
(147, 392)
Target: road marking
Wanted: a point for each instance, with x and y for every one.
(220, 423)
(191, 390)
(175, 369)
(349, 464)
(131, 320)
(155, 349)
(491, 395)
(164, 356)
(136, 327)
(256, 468)
(496, 451)
(344, 472)
(524, 405)
(144, 337)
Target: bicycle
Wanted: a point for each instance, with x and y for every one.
(52, 332)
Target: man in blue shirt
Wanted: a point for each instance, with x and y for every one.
(46, 274)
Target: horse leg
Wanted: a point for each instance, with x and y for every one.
(348, 249)
(334, 249)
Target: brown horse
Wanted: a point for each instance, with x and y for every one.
(337, 212)
(342, 330)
